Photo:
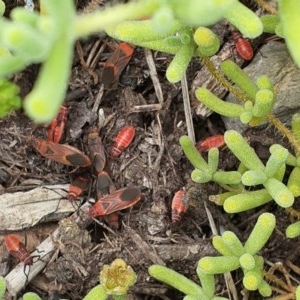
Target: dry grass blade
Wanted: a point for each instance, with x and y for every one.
(187, 109)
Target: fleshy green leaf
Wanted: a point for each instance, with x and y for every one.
(176, 280)
(260, 233)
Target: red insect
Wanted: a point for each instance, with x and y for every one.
(122, 141)
(56, 128)
(112, 220)
(77, 187)
(97, 153)
(179, 205)
(105, 186)
(17, 249)
(104, 183)
(62, 153)
(118, 200)
(243, 46)
(116, 63)
(215, 141)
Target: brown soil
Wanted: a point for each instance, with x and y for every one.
(154, 162)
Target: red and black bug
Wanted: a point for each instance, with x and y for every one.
(116, 63)
(118, 200)
(122, 141)
(56, 128)
(17, 249)
(112, 220)
(62, 153)
(179, 205)
(215, 141)
(97, 155)
(77, 187)
(96, 149)
(243, 46)
(104, 185)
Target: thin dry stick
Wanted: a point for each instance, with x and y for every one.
(187, 109)
(98, 98)
(153, 75)
(94, 56)
(161, 146)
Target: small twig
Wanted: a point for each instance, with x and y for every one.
(93, 58)
(161, 146)
(98, 98)
(211, 220)
(187, 109)
(153, 75)
(146, 107)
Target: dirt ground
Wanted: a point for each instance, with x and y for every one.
(154, 162)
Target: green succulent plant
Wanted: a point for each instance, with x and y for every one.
(254, 173)
(48, 38)
(288, 10)
(2, 287)
(31, 296)
(236, 255)
(185, 285)
(259, 97)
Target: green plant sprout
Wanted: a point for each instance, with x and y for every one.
(9, 98)
(49, 38)
(185, 285)
(31, 296)
(2, 287)
(254, 173)
(184, 42)
(271, 24)
(270, 176)
(207, 171)
(115, 280)
(4, 52)
(288, 11)
(259, 97)
(293, 230)
(236, 255)
(2, 8)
